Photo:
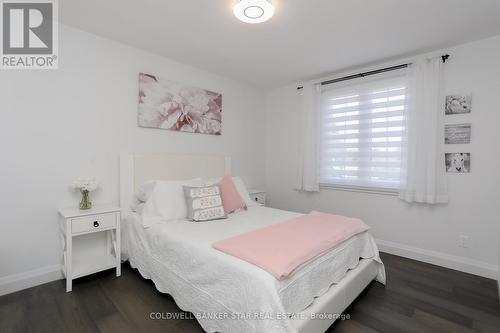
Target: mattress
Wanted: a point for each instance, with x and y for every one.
(179, 258)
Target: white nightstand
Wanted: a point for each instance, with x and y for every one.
(90, 240)
(258, 196)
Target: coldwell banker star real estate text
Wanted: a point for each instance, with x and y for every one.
(29, 34)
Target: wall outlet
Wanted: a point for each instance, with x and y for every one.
(463, 241)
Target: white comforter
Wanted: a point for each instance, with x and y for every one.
(225, 293)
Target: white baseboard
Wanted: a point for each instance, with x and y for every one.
(441, 259)
(20, 281)
(498, 284)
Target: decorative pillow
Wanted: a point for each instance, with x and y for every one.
(240, 186)
(231, 199)
(204, 203)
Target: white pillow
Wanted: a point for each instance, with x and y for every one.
(242, 190)
(240, 187)
(167, 201)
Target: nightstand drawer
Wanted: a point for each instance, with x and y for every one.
(258, 197)
(93, 223)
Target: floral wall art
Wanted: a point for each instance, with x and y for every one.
(174, 106)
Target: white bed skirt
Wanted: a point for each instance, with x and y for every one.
(193, 300)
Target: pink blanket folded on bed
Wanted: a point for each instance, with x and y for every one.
(282, 248)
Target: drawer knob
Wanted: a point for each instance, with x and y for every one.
(96, 224)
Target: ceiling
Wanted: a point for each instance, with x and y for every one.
(305, 38)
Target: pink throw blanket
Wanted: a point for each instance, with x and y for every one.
(282, 248)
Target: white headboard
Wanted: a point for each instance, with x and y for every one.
(137, 169)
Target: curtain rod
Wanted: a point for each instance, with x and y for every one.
(377, 71)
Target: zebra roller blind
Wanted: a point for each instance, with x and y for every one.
(362, 126)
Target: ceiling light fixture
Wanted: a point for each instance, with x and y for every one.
(253, 11)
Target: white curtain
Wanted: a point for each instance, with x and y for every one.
(308, 138)
(423, 177)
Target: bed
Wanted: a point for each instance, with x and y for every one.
(224, 293)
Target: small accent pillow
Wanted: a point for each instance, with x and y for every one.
(231, 199)
(204, 203)
(240, 186)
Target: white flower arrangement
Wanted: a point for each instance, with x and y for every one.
(85, 184)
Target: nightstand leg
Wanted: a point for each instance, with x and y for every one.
(69, 285)
(69, 259)
(109, 241)
(117, 251)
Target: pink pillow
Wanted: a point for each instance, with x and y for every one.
(231, 199)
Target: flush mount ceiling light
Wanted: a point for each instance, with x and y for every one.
(253, 11)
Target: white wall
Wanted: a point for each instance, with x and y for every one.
(424, 232)
(75, 121)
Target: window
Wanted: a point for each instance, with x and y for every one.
(362, 125)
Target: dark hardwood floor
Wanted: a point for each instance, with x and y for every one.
(418, 298)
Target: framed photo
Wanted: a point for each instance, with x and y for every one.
(457, 162)
(457, 134)
(458, 104)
